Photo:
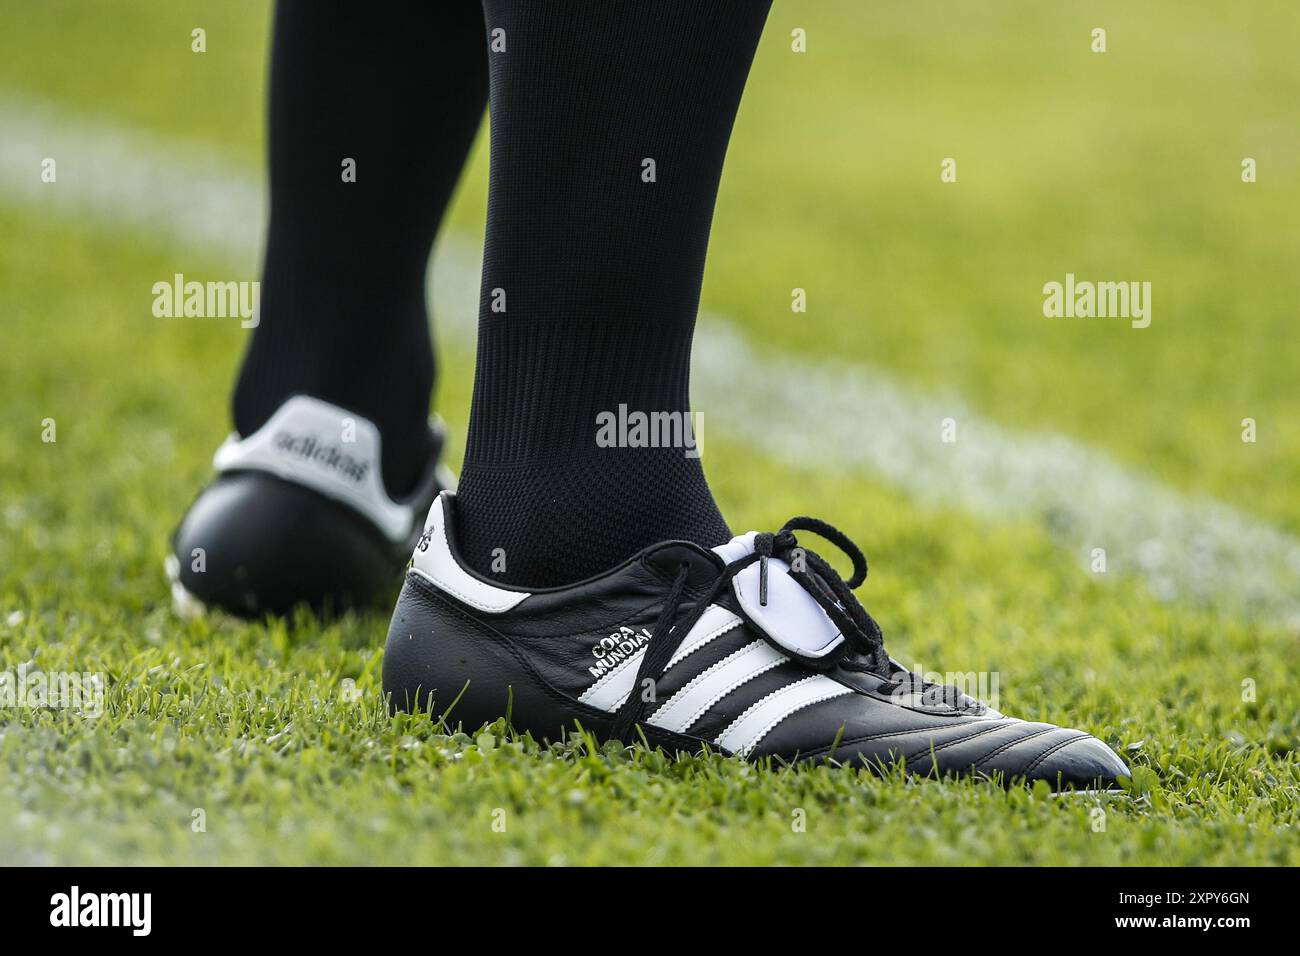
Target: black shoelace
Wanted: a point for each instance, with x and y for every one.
(863, 637)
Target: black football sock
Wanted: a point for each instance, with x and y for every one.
(398, 88)
(609, 125)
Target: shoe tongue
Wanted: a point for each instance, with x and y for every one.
(792, 619)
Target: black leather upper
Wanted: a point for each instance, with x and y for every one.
(268, 544)
(536, 659)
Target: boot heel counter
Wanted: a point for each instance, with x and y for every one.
(408, 664)
(436, 656)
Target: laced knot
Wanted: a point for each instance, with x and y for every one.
(835, 595)
(862, 635)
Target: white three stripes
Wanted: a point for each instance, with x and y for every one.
(680, 712)
(691, 702)
(747, 730)
(612, 689)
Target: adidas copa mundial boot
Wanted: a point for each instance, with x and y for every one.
(298, 514)
(756, 648)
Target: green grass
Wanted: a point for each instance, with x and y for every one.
(1114, 167)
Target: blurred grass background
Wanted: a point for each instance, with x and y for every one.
(1117, 166)
(1123, 165)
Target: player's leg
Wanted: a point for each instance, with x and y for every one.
(570, 583)
(397, 88)
(373, 108)
(609, 126)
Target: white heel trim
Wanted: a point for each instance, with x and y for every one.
(327, 449)
(434, 562)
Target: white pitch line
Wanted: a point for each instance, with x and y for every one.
(803, 412)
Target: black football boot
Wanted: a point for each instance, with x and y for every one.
(298, 514)
(756, 648)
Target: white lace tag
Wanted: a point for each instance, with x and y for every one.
(791, 619)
